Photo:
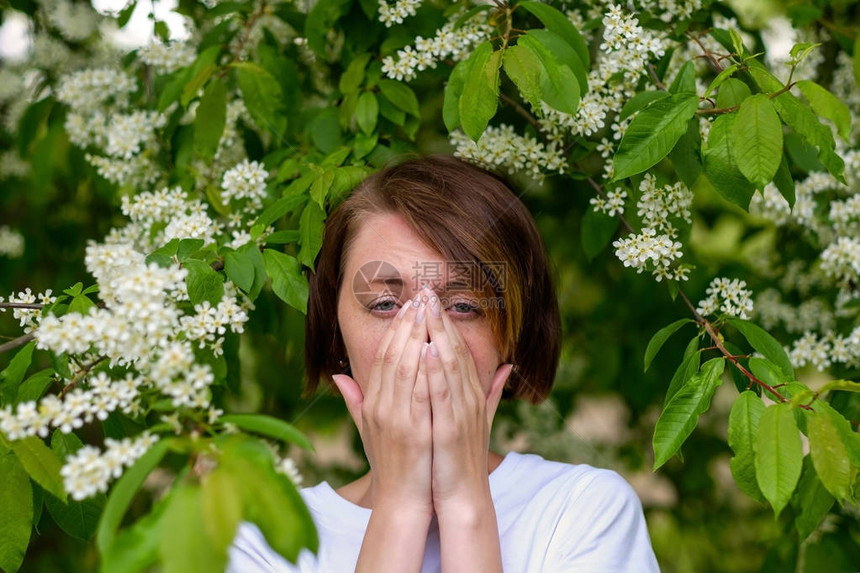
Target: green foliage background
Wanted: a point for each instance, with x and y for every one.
(698, 518)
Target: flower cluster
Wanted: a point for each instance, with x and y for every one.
(626, 50)
(811, 314)
(503, 147)
(447, 43)
(75, 21)
(72, 409)
(11, 243)
(650, 251)
(29, 318)
(166, 58)
(88, 471)
(396, 13)
(729, 297)
(288, 467)
(840, 261)
(657, 204)
(612, 205)
(86, 90)
(246, 182)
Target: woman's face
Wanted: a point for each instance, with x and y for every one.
(386, 247)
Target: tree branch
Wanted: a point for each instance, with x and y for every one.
(15, 343)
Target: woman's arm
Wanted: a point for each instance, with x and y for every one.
(394, 540)
(469, 536)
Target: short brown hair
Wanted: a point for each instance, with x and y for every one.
(466, 214)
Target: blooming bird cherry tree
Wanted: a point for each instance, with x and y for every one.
(223, 153)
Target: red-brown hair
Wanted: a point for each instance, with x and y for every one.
(466, 214)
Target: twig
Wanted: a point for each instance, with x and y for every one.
(15, 343)
(85, 369)
(522, 111)
(28, 305)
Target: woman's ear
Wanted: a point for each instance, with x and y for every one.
(352, 395)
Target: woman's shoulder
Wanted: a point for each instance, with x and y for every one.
(589, 488)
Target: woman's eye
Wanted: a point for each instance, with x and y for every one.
(465, 308)
(384, 305)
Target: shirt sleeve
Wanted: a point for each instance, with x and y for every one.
(602, 530)
(250, 553)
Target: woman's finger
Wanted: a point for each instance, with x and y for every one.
(467, 363)
(451, 366)
(403, 382)
(374, 384)
(420, 405)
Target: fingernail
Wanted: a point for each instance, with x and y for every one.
(403, 310)
(424, 349)
(433, 350)
(419, 318)
(434, 305)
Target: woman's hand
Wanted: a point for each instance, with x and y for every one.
(393, 416)
(462, 415)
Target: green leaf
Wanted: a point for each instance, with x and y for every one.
(685, 155)
(559, 24)
(720, 167)
(352, 78)
(268, 426)
(287, 279)
(12, 375)
(271, 501)
(480, 91)
(653, 133)
(756, 140)
(41, 463)
(77, 518)
(596, 232)
(123, 491)
(524, 69)
(221, 508)
(564, 53)
(163, 256)
(124, 15)
(262, 95)
(250, 252)
(401, 96)
(559, 86)
(685, 81)
(732, 93)
(785, 182)
(367, 112)
(660, 338)
(827, 105)
(201, 76)
(81, 304)
(686, 370)
(34, 387)
(829, 455)
(453, 92)
(641, 101)
(282, 206)
(211, 119)
(721, 77)
(679, 417)
(135, 548)
(811, 501)
(743, 429)
(778, 455)
(16, 499)
(321, 187)
(801, 119)
(320, 22)
(239, 269)
(203, 283)
(311, 225)
(767, 372)
(763, 342)
(185, 549)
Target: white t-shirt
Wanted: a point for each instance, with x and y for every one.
(553, 517)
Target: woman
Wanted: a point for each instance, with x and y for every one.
(432, 300)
